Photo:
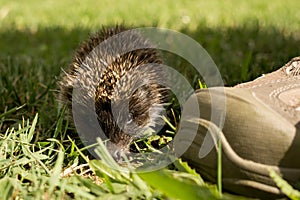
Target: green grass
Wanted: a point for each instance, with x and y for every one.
(37, 40)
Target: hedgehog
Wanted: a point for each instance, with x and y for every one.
(117, 70)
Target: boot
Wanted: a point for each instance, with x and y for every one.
(261, 132)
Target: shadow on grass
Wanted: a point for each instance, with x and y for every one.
(31, 61)
(47, 44)
(244, 53)
(241, 53)
(30, 64)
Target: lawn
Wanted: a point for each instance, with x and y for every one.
(38, 39)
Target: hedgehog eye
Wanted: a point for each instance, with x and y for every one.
(129, 119)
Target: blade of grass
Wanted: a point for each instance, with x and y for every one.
(201, 85)
(56, 171)
(285, 187)
(32, 129)
(184, 167)
(169, 123)
(220, 166)
(174, 188)
(7, 188)
(12, 110)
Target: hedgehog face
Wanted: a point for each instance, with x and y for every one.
(134, 107)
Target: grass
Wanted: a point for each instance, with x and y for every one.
(40, 157)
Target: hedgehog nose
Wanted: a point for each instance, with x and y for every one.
(116, 152)
(119, 155)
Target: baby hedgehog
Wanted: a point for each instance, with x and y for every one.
(117, 71)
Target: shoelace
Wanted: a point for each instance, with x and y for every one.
(293, 67)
